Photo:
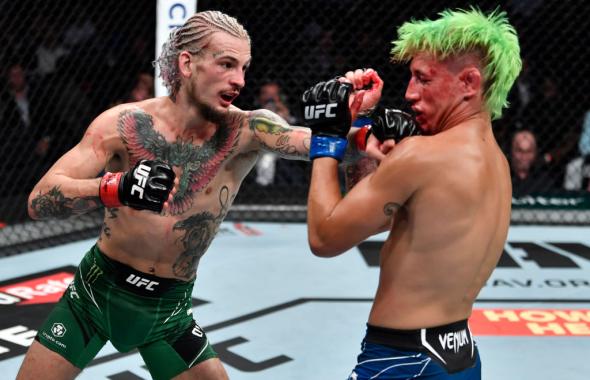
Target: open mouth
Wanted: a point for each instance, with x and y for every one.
(228, 96)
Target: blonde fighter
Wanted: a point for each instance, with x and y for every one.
(144, 264)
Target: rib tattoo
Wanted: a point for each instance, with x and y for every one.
(199, 231)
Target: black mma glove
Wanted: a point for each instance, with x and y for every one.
(389, 123)
(145, 187)
(326, 113)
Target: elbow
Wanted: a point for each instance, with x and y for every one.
(32, 214)
(322, 248)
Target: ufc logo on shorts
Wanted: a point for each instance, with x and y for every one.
(140, 281)
(314, 112)
(141, 175)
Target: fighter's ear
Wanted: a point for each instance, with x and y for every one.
(184, 63)
(471, 82)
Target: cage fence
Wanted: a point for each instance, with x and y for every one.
(64, 62)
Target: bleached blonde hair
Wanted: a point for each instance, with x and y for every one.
(193, 37)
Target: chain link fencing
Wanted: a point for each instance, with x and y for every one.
(64, 62)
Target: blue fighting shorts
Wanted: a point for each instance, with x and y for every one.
(443, 352)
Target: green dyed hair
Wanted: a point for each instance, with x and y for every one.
(460, 32)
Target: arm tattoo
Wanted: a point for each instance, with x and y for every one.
(198, 233)
(390, 208)
(55, 205)
(268, 126)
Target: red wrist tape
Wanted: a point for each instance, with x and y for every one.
(361, 137)
(109, 189)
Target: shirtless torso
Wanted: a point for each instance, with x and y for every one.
(448, 236)
(444, 197)
(210, 163)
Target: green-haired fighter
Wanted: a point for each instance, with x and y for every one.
(444, 197)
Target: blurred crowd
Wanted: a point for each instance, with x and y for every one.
(62, 68)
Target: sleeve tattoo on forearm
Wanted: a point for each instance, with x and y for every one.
(267, 124)
(54, 204)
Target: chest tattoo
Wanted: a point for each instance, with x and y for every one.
(198, 164)
(198, 232)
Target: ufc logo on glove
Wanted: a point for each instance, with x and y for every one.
(141, 175)
(314, 112)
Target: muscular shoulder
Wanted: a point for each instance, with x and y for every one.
(411, 162)
(112, 128)
(108, 119)
(410, 151)
(264, 114)
(263, 120)
(103, 129)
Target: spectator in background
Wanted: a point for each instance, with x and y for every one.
(584, 143)
(577, 172)
(528, 175)
(271, 98)
(519, 98)
(49, 52)
(322, 54)
(67, 104)
(546, 117)
(22, 131)
(23, 142)
(143, 88)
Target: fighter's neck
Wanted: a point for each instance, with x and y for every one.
(183, 117)
(464, 116)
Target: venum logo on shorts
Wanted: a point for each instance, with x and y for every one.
(58, 330)
(197, 331)
(454, 340)
(140, 281)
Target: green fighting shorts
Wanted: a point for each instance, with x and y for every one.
(109, 300)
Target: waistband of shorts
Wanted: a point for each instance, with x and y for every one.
(408, 339)
(96, 264)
